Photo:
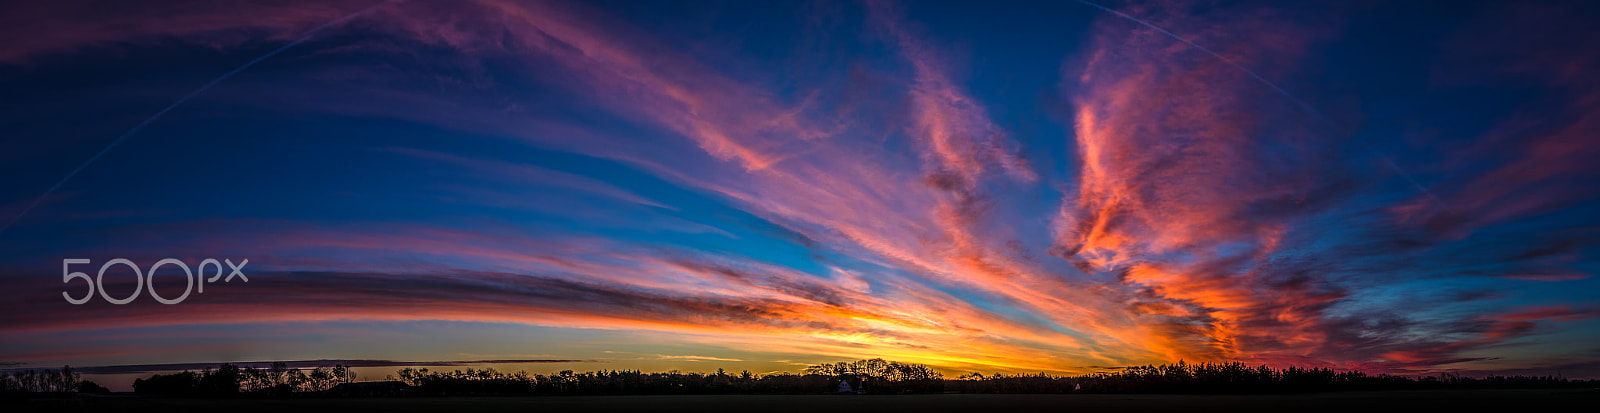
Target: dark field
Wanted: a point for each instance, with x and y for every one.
(1355, 402)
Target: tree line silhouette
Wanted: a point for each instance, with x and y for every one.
(228, 379)
(1236, 378)
(875, 376)
(64, 380)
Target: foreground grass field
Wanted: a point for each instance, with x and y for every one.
(1356, 402)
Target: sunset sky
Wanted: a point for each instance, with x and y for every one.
(1058, 187)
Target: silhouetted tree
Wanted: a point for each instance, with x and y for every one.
(39, 381)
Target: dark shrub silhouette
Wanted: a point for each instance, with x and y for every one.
(90, 387)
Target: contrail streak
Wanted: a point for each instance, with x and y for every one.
(1197, 46)
(136, 128)
(1281, 91)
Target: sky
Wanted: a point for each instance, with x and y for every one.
(1060, 187)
